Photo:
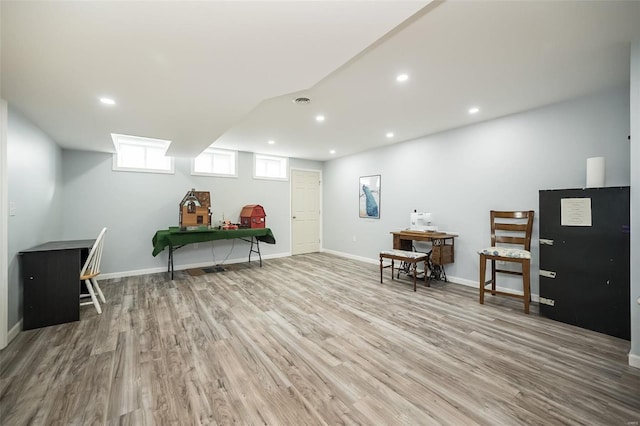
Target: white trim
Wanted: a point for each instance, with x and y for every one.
(305, 169)
(15, 330)
(272, 178)
(210, 174)
(4, 227)
(140, 141)
(351, 256)
(634, 360)
(123, 274)
(275, 157)
(470, 283)
(213, 151)
(117, 168)
(145, 143)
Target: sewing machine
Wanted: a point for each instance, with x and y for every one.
(422, 222)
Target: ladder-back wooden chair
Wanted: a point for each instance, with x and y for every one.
(91, 270)
(510, 242)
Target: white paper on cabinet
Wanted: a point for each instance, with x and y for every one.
(575, 212)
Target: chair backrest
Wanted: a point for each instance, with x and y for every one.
(92, 264)
(512, 227)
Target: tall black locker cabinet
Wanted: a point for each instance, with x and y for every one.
(584, 270)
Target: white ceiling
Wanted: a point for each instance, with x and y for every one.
(197, 73)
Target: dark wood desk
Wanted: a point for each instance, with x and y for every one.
(51, 282)
(442, 252)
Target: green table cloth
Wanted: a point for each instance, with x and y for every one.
(174, 237)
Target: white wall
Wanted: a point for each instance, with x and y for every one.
(133, 206)
(4, 216)
(34, 181)
(634, 354)
(461, 174)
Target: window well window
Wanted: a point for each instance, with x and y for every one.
(215, 162)
(270, 167)
(138, 154)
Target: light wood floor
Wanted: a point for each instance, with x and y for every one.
(312, 339)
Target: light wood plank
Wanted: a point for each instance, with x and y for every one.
(312, 339)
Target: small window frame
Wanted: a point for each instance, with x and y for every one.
(284, 166)
(147, 144)
(213, 151)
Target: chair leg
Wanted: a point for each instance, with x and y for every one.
(426, 281)
(493, 277)
(526, 283)
(483, 270)
(391, 269)
(93, 296)
(380, 269)
(97, 288)
(415, 268)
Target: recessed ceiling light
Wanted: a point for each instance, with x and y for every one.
(271, 142)
(107, 101)
(320, 118)
(474, 110)
(402, 77)
(390, 135)
(333, 151)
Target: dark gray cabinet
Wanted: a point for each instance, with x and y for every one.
(584, 270)
(51, 282)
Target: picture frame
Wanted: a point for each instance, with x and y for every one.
(369, 196)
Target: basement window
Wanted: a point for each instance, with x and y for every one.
(270, 167)
(138, 154)
(215, 162)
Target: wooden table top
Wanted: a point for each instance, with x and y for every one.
(423, 234)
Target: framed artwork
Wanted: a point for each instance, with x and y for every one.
(369, 191)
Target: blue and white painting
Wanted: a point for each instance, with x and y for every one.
(370, 196)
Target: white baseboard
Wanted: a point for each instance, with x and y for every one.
(470, 283)
(123, 274)
(455, 280)
(351, 256)
(15, 330)
(634, 360)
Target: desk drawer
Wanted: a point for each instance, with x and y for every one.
(441, 255)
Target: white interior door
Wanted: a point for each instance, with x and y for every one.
(305, 211)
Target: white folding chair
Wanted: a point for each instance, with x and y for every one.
(91, 270)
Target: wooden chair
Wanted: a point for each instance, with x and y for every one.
(410, 257)
(91, 270)
(514, 229)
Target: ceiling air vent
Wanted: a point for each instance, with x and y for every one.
(302, 101)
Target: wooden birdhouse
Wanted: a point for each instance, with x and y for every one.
(253, 216)
(195, 209)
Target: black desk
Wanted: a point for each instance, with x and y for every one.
(51, 282)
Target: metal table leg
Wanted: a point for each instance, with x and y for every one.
(170, 266)
(256, 250)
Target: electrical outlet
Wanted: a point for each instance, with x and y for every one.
(354, 238)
